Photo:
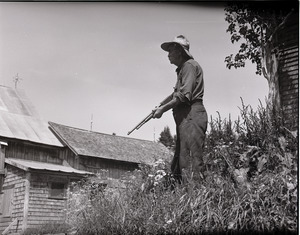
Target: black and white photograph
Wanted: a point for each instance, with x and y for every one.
(149, 117)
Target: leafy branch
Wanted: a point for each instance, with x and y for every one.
(251, 25)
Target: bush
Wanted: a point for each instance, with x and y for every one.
(48, 228)
(250, 187)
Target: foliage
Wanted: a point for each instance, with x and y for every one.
(48, 228)
(257, 136)
(166, 138)
(251, 24)
(250, 188)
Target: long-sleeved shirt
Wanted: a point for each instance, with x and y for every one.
(190, 85)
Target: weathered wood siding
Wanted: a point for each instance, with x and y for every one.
(70, 157)
(107, 168)
(2, 164)
(34, 152)
(287, 41)
(2, 160)
(43, 209)
(15, 180)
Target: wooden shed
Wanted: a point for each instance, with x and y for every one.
(34, 193)
(110, 155)
(39, 160)
(33, 178)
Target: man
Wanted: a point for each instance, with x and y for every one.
(189, 113)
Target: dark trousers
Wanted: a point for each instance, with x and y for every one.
(191, 124)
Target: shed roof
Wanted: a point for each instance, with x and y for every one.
(95, 144)
(20, 120)
(34, 165)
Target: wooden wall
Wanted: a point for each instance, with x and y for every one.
(43, 209)
(14, 182)
(108, 168)
(70, 157)
(287, 41)
(34, 152)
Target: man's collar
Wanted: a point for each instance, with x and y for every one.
(179, 67)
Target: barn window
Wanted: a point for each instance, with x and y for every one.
(57, 190)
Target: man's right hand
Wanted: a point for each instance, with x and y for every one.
(157, 113)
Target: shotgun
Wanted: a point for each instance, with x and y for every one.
(149, 116)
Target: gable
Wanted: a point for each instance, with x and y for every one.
(19, 119)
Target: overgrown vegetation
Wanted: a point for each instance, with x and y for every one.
(250, 187)
(48, 228)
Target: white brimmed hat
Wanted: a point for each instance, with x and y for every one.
(179, 40)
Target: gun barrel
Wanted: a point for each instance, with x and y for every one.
(146, 119)
(150, 115)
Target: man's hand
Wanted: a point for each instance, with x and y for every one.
(157, 113)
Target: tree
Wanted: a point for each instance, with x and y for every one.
(166, 137)
(252, 24)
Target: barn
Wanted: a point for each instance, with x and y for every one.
(106, 154)
(39, 161)
(33, 178)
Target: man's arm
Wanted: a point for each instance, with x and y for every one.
(166, 100)
(165, 107)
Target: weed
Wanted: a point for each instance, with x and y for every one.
(48, 228)
(250, 187)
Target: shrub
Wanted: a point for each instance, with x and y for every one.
(250, 187)
(48, 228)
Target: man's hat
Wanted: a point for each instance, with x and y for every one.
(179, 40)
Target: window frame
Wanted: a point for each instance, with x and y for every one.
(61, 196)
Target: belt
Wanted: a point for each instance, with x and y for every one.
(185, 105)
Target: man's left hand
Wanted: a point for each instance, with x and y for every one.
(157, 113)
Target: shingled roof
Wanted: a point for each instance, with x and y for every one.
(95, 144)
(28, 165)
(19, 119)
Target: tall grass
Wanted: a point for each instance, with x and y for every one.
(250, 187)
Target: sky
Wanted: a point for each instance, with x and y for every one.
(99, 66)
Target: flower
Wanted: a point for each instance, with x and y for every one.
(159, 163)
(161, 172)
(169, 221)
(158, 177)
(231, 225)
(290, 186)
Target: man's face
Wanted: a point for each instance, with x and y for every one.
(174, 55)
